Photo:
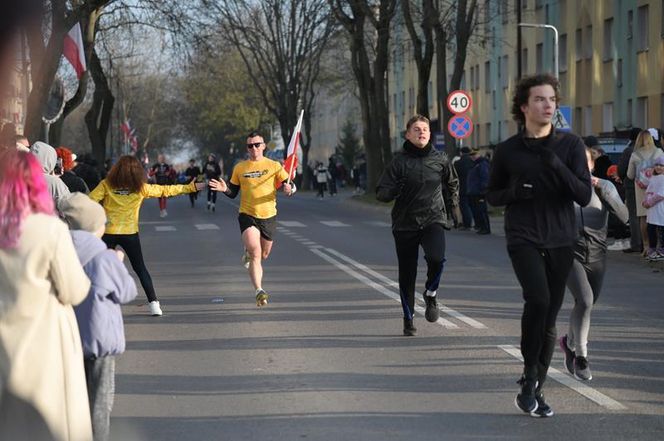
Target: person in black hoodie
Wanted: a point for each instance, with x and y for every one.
(538, 174)
(212, 171)
(414, 180)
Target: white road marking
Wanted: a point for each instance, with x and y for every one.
(378, 223)
(164, 228)
(309, 243)
(206, 227)
(575, 385)
(447, 310)
(334, 224)
(445, 323)
(291, 224)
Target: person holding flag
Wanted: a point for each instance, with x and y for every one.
(258, 179)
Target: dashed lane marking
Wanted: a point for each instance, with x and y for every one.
(164, 228)
(334, 223)
(206, 227)
(291, 224)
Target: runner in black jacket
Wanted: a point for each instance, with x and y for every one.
(415, 180)
(538, 174)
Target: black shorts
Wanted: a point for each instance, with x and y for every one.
(265, 226)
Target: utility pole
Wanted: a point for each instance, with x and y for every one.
(518, 40)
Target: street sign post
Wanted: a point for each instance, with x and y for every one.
(460, 126)
(459, 101)
(562, 119)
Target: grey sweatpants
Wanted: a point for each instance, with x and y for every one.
(585, 283)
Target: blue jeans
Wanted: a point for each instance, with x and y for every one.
(100, 377)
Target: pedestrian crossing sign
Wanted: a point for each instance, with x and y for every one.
(562, 118)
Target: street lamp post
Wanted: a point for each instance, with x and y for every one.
(555, 41)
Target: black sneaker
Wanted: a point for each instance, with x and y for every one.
(431, 313)
(543, 410)
(568, 354)
(408, 328)
(526, 400)
(581, 369)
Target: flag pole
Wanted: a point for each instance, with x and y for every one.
(294, 140)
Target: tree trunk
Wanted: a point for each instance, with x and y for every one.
(423, 59)
(98, 117)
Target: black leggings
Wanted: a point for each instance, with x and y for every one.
(432, 241)
(131, 244)
(212, 195)
(542, 274)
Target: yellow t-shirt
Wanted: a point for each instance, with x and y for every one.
(258, 186)
(122, 207)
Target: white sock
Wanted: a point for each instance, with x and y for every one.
(429, 293)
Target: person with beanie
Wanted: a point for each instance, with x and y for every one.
(99, 316)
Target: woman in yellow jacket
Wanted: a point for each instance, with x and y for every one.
(122, 194)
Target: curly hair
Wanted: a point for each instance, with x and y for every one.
(127, 174)
(522, 93)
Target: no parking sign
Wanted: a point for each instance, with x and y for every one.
(460, 126)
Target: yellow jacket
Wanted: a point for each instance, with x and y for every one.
(122, 207)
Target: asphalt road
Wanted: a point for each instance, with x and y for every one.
(325, 360)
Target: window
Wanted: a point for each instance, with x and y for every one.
(524, 62)
(487, 76)
(661, 32)
(472, 77)
(607, 117)
(619, 73)
(588, 43)
(576, 117)
(630, 24)
(607, 53)
(539, 4)
(642, 29)
(477, 77)
(562, 53)
(629, 112)
(505, 79)
(493, 99)
(487, 140)
(579, 44)
(641, 116)
(539, 58)
(505, 10)
(587, 121)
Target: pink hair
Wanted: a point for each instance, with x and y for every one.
(24, 191)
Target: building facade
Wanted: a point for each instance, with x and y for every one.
(610, 58)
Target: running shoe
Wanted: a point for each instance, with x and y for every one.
(155, 308)
(581, 369)
(525, 399)
(261, 298)
(408, 328)
(543, 410)
(246, 259)
(568, 354)
(431, 313)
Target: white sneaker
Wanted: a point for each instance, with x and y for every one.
(155, 308)
(163, 213)
(619, 245)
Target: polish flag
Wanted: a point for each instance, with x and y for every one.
(291, 154)
(73, 50)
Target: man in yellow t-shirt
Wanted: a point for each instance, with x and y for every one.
(258, 179)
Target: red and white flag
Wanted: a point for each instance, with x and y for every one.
(73, 50)
(291, 154)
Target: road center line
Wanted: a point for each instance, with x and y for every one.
(441, 321)
(576, 386)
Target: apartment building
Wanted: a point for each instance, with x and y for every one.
(610, 64)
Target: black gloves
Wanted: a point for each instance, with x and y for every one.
(522, 190)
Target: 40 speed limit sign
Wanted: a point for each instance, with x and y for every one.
(459, 101)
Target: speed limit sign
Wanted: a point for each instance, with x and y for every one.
(459, 101)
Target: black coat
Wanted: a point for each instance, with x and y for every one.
(556, 171)
(414, 180)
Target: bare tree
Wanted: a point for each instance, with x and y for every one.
(280, 42)
(369, 60)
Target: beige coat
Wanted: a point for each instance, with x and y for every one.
(42, 380)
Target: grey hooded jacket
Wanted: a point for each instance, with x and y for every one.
(48, 158)
(99, 316)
